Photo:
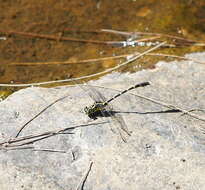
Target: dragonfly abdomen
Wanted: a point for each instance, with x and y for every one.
(131, 88)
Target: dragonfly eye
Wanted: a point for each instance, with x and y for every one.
(86, 110)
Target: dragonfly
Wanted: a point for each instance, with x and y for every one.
(102, 108)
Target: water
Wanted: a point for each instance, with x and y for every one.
(183, 18)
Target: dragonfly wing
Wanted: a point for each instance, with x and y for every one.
(92, 93)
(96, 95)
(123, 125)
(118, 125)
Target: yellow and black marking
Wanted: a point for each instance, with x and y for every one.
(95, 110)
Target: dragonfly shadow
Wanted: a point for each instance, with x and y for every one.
(103, 113)
(110, 113)
(149, 112)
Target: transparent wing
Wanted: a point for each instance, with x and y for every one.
(95, 95)
(121, 126)
(120, 120)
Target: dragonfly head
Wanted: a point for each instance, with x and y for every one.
(86, 110)
(89, 112)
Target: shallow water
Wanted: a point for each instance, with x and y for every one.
(26, 60)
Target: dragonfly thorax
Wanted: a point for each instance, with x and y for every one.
(94, 110)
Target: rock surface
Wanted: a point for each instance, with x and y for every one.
(165, 150)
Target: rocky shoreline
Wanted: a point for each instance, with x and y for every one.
(166, 149)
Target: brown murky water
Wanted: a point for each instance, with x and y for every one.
(26, 60)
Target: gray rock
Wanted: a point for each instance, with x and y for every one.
(165, 150)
